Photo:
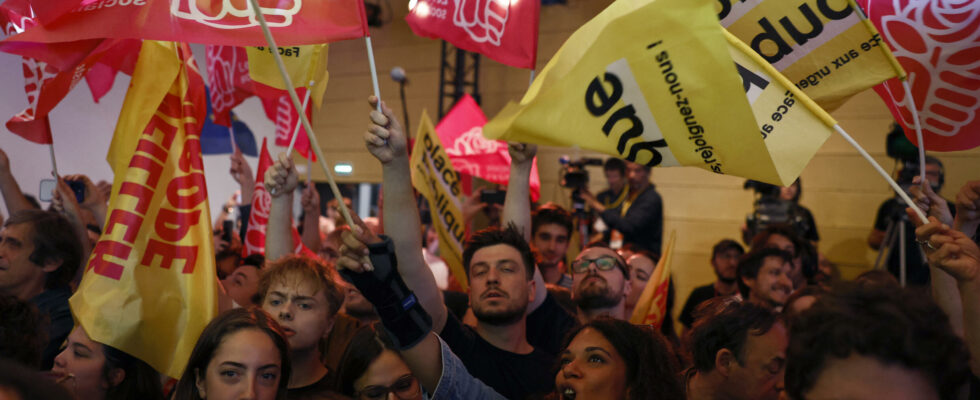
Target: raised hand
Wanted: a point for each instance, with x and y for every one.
(522, 152)
(281, 178)
(310, 200)
(968, 206)
(385, 138)
(949, 249)
(242, 173)
(354, 251)
(930, 202)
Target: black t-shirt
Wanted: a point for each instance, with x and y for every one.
(699, 295)
(548, 325)
(809, 224)
(53, 305)
(515, 376)
(916, 268)
(319, 390)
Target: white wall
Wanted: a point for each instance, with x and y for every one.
(82, 131)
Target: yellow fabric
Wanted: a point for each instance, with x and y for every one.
(303, 63)
(652, 304)
(133, 295)
(434, 177)
(828, 48)
(647, 81)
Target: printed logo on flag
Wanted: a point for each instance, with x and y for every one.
(225, 63)
(235, 14)
(483, 20)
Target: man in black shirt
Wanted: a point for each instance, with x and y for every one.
(640, 217)
(724, 259)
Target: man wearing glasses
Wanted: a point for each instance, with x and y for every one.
(600, 284)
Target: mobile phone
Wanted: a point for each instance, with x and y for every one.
(493, 196)
(44, 192)
(78, 188)
(226, 230)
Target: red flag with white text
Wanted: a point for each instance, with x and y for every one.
(254, 242)
(504, 30)
(461, 132)
(224, 22)
(938, 44)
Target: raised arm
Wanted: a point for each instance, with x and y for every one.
(310, 200)
(12, 196)
(281, 180)
(968, 208)
(63, 201)
(517, 204)
(386, 140)
(944, 288)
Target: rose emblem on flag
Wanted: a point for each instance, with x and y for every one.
(236, 14)
(472, 143)
(936, 41)
(483, 20)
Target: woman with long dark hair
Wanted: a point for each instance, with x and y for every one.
(92, 370)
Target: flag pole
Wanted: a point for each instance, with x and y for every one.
(302, 115)
(918, 130)
(306, 101)
(231, 135)
(54, 164)
(374, 71)
(881, 171)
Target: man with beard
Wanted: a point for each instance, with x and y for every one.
(499, 266)
(551, 228)
(601, 284)
(763, 277)
(724, 260)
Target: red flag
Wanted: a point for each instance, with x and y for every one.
(281, 111)
(254, 242)
(228, 79)
(461, 132)
(119, 58)
(937, 43)
(504, 30)
(224, 22)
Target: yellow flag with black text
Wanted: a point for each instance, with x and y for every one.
(149, 287)
(303, 64)
(435, 178)
(651, 307)
(827, 48)
(651, 82)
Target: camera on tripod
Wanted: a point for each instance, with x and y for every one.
(770, 209)
(573, 173)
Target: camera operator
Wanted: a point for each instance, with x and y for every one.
(777, 206)
(892, 212)
(615, 171)
(639, 219)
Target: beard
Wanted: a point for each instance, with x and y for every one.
(510, 314)
(596, 296)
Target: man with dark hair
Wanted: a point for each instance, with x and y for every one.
(602, 283)
(615, 171)
(763, 277)
(724, 260)
(22, 336)
(874, 342)
(640, 217)
(551, 228)
(738, 350)
(39, 255)
(802, 252)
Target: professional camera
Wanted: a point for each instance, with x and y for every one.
(769, 209)
(573, 173)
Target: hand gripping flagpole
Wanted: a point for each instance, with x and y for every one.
(302, 114)
(918, 130)
(901, 193)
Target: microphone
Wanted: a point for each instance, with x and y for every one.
(398, 75)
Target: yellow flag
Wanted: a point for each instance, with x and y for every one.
(651, 308)
(828, 48)
(303, 63)
(434, 177)
(150, 287)
(792, 125)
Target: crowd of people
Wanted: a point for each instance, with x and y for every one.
(375, 315)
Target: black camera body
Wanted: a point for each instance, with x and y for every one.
(574, 175)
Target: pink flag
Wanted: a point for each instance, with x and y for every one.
(461, 132)
(281, 111)
(224, 22)
(506, 31)
(119, 58)
(938, 44)
(254, 242)
(228, 79)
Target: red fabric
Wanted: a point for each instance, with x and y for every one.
(279, 108)
(228, 79)
(506, 31)
(461, 133)
(293, 22)
(254, 241)
(938, 43)
(119, 58)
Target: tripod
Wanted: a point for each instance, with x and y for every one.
(895, 237)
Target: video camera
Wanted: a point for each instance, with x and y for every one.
(573, 173)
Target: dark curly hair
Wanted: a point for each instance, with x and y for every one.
(891, 325)
(651, 367)
(725, 323)
(750, 264)
(552, 213)
(493, 236)
(23, 332)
